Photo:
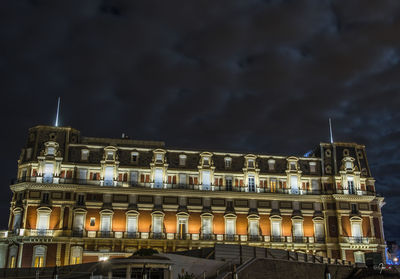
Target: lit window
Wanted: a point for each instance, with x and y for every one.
(39, 256)
(228, 162)
(48, 173)
(294, 184)
(82, 175)
(109, 176)
(356, 230)
(12, 256)
(206, 180)
(251, 183)
(313, 166)
(42, 222)
(158, 178)
(349, 165)
(157, 224)
(134, 157)
(51, 150)
(319, 231)
(84, 154)
(76, 255)
(359, 257)
(159, 157)
(253, 227)
(276, 228)
(78, 224)
(182, 160)
(206, 225)
(297, 228)
(182, 226)
(92, 221)
(271, 164)
(131, 223)
(230, 226)
(273, 185)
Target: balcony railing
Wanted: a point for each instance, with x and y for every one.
(41, 232)
(252, 237)
(132, 235)
(105, 234)
(358, 239)
(277, 238)
(154, 235)
(58, 180)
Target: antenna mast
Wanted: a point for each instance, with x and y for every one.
(58, 112)
(330, 130)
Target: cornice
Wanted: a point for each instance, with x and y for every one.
(340, 197)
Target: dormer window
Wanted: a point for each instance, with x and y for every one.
(84, 154)
(313, 166)
(349, 165)
(182, 160)
(250, 163)
(271, 164)
(292, 166)
(159, 158)
(50, 150)
(206, 161)
(110, 155)
(134, 157)
(228, 162)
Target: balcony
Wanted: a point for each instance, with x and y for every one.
(358, 239)
(87, 182)
(154, 235)
(299, 239)
(77, 233)
(207, 236)
(132, 235)
(252, 237)
(277, 238)
(41, 232)
(105, 234)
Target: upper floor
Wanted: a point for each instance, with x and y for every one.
(61, 155)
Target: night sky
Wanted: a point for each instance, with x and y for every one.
(248, 76)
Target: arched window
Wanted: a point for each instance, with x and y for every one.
(12, 256)
(206, 226)
(230, 226)
(276, 228)
(39, 256)
(43, 220)
(253, 226)
(17, 219)
(157, 226)
(182, 225)
(106, 222)
(297, 229)
(132, 218)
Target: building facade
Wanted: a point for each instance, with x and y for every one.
(80, 199)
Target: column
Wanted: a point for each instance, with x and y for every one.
(61, 224)
(21, 249)
(339, 217)
(3, 254)
(128, 272)
(66, 256)
(371, 223)
(58, 255)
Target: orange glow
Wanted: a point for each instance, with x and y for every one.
(54, 218)
(366, 226)
(119, 221)
(170, 222)
(144, 221)
(219, 223)
(92, 213)
(350, 255)
(308, 226)
(31, 217)
(194, 223)
(241, 224)
(346, 226)
(286, 225)
(265, 225)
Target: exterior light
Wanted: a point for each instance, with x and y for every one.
(395, 259)
(103, 259)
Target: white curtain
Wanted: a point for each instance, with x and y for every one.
(109, 176)
(206, 180)
(131, 225)
(356, 229)
(157, 224)
(207, 226)
(78, 222)
(253, 227)
(17, 220)
(319, 230)
(158, 178)
(106, 223)
(276, 228)
(43, 221)
(48, 173)
(297, 229)
(294, 185)
(230, 226)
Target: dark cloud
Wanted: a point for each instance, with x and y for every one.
(239, 75)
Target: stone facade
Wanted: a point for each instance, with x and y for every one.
(81, 199)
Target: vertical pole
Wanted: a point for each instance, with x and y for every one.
(58, 111)
(330, 130)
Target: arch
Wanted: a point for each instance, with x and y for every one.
(39, 256)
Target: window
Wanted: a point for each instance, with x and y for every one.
(356, 230)
(297, 229)
(51, 150)
(182, 226)
(81, 199)
(294, 185)
(206, 225)
(109, 176)
(354, 208)
(84, 154)
(12, 256)
(206, 180)
(273, 185)
(92, 221)
(228, 162)
(131, 223)
(82, 175)
(251, 183)
(349, 165)
(45, 198)
(350, 184)
(110, 155)
(319, 231)
(76, 255)
(78, 224)
(276, 228)
(271, 164)
(313, 166)
(105, 223)
(158, 178)
(359, 257)
(206, 161)
(39, 256)
(134, 157)
(182, 179)
(28, 153)
(17, 220)
(292, 165)
(134, 178)
(48, 173)
(182, 160)
(250, 163)
(230, 226)
(228, 183)
(314, 185)
(43, 219)
(157, 224)
(253, 227)
(159, 157)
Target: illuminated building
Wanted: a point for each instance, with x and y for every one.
(81, 199)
